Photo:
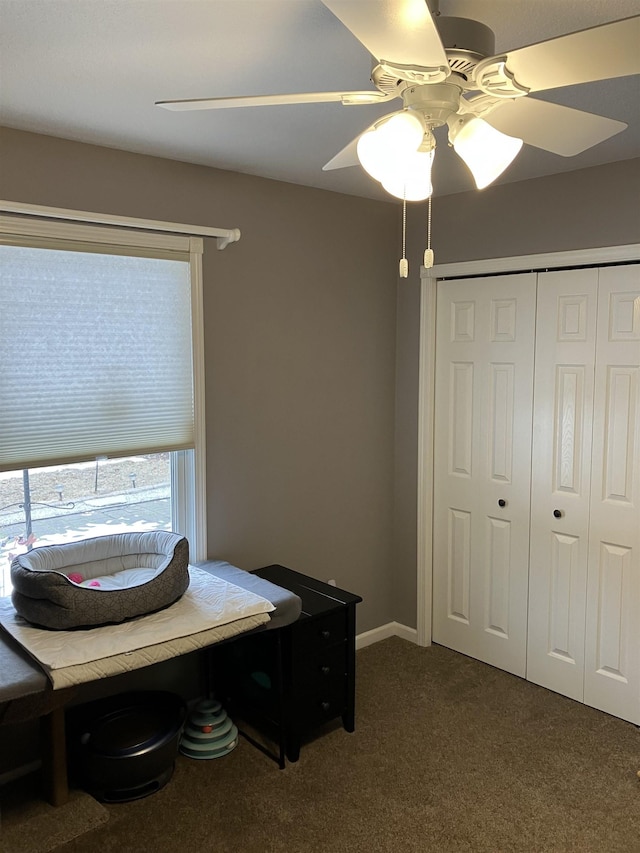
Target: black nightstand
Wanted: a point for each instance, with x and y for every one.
(289, 681)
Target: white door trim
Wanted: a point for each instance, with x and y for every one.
(426, 398)
(426, 386)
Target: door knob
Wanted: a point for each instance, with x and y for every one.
(557, 513)
(502, 502)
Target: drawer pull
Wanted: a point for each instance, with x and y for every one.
(325, 634)
(325, 706)
(325, 670)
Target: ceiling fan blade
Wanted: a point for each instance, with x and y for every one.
(347, 157)
(553, 127)
(346, 98)
(399, 31)
(600, 53)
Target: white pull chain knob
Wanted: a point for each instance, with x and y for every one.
(404, 268)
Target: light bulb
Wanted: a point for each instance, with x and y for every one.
(486, 151)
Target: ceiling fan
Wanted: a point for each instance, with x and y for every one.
(445, 72)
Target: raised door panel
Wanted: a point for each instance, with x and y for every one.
(560, 489)
(458, 562)
(612, 668)
(497, 603)
(484, 375)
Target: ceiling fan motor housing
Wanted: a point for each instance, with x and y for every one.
(466, 43)
(434, 101)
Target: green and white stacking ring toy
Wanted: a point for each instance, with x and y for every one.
(208, 732)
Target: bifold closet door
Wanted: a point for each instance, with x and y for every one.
(612, 649)
(482, 466)
(561, 478)
(584, 579)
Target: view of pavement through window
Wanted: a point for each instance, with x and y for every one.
(65, 503)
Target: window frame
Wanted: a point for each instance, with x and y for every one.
(188, 467)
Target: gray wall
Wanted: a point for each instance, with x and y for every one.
(312, 344)
(300, 352)
(584, 209)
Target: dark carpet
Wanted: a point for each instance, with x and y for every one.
(448, 755)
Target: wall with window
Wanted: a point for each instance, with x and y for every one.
(299, 347)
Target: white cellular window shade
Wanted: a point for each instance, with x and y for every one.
(96, 350)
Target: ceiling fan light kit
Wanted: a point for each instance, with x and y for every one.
(444, 70)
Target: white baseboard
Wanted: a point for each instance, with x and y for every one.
(391, 629)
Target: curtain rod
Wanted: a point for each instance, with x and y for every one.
(223, 236)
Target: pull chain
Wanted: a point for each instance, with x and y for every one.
(404, 263)
(428, 252)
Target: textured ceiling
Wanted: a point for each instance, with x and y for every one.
(91, 70)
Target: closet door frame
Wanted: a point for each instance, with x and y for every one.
(426, 386)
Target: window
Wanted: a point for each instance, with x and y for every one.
(102, 375)
(65, 503)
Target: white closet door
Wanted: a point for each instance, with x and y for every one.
(484, 381)
(560, 488)
(612, 670)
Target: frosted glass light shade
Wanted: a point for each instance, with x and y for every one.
(381, 149)
(412, 179)
(486, 151)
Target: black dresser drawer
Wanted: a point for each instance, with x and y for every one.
(320, 666)
(321, 703)
(321, 631)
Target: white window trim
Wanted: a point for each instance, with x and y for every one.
(196, 472)
(224, 236)
(189, 469)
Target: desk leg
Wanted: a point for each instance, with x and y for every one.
(54, 755)
(293, 746)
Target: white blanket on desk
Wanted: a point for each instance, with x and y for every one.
(211, 610)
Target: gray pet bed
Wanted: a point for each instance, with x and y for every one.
(100, 581)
